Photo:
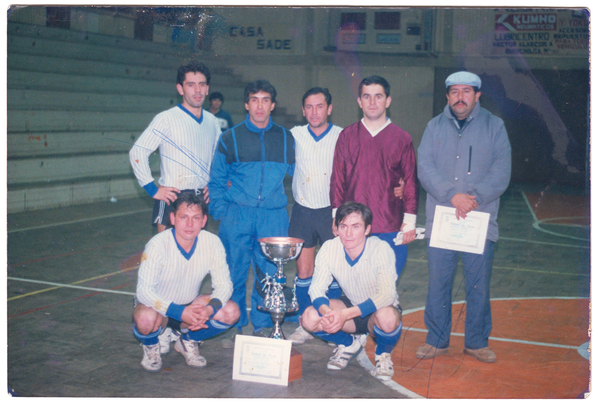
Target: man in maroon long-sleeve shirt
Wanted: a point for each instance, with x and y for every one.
(371, 156)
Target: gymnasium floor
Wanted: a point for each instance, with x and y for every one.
(72, 273)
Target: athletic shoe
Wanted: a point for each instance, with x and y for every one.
(363, 340)
(165, 339)
(189, 350)
(152, 360)
(384, 368)
(426, 351)
(484, 354)
(343, 354)
(300, 336)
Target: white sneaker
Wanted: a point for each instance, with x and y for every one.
(152, 360)
(300, 336)
(343, 354)
(165, 339)
(189, 350)
(384, 368)
(363, 340)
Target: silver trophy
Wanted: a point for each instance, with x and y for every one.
(279, 250)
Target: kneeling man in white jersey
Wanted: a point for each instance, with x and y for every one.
(364, 267)
(172, 269)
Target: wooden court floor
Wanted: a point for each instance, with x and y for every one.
(539, 343)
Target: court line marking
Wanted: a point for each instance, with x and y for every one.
(365, 362)
(517, 269)
(72, 285)
(531, 211)
(77, 221)
(527, 342)
(498, 338)
(536, 225)
(537, 222)
(59, 285)
(545, 243)
(149, 209)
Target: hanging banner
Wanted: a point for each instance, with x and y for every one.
(542, 32)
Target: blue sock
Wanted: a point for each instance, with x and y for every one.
(386, 341)
(334, 292)
(302, 286)
(214, 328)
(339, 338)
(149, 339)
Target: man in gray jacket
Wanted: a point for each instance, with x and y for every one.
(464, 162)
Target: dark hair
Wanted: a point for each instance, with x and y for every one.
(216, 96)
(368, 81)
(318, 90)
(190, 198)
(351, 207)
(194, 67)
(259, 85)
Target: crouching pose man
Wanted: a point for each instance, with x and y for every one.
(364, 268)
(172, 269)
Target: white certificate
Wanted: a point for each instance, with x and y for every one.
(464, 235)
(262, 359)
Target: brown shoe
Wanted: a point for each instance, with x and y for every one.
(484, 354)
(426, 351)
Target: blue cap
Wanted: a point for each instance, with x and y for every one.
(468, 78)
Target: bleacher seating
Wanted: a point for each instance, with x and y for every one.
(76, 102)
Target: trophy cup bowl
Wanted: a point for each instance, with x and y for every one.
(280, 250)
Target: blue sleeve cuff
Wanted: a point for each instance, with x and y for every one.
(175, 311)
(319, 302)
(216, 305)
(367, 307)
(151, 189)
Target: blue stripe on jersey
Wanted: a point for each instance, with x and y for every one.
(353, 262)
(235, 148)
(185, 254)
(198, 120)
(318, 138)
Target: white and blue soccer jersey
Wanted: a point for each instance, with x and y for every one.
(369, 281)
(314, 163)
(186, 146)
(168, 274)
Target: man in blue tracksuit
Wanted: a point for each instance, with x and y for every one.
(247, 195)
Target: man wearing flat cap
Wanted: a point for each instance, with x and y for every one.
(464, 162)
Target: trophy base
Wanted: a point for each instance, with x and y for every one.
(277, 318)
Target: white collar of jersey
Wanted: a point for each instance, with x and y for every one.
(374, 133)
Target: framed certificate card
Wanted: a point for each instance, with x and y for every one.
(262, 360)
(464, 235)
